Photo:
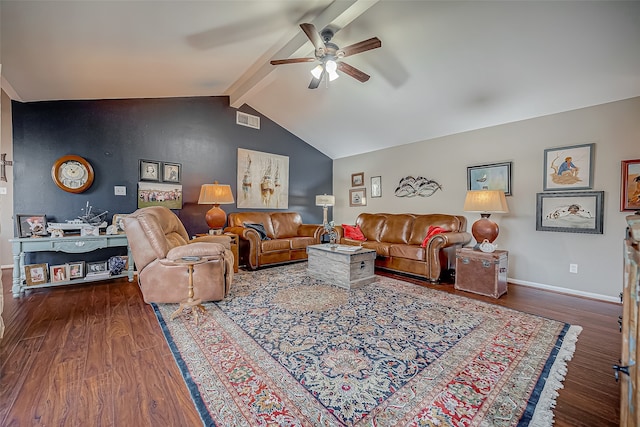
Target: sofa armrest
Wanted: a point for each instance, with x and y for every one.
(444, 240)
(250, 237)
(311, 230)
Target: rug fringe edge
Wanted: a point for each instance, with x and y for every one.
(543, 415)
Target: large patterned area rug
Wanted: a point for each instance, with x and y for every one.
(284, 349)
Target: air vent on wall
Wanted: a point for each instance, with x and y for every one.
(248, 120)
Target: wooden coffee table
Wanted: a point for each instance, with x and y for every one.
(341, 267)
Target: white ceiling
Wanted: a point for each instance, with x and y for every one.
(444, 67)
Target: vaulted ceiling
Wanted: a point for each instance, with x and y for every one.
(444, 66)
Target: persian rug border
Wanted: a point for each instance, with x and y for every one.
(538, 410)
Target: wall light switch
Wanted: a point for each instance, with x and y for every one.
(120, 190)
(3, 190)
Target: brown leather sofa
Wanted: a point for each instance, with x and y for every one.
(286, 237)
(157, 238)
(398, 238)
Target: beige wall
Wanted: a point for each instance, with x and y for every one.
(6, 200)
(536, 258)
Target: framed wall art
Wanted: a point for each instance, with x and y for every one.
(171, 172)
(358, 197)
(630, 186)
(495, 176)
(263, 180)
(149, 170)
(31, 225)
(376, 186)
(357, 179)
(577, 212)
(36, 274)
(157, 194)
(569, 168)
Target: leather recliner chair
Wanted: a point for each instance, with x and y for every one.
(157, 237)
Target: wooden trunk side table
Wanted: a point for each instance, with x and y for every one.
(482, 273)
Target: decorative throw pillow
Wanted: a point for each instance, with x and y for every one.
(432, 231)
(259, 228)
(353, 233)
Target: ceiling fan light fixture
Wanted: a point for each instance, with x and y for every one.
(331, 68)
(317, 71)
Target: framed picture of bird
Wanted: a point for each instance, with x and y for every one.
(494, 176)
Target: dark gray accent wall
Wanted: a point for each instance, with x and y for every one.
(113, 135)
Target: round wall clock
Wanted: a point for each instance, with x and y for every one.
(72, 173)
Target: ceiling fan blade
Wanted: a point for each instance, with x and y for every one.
(353, 72)
(291, 61)
(314, 36)
(363, 46)
(316, 82)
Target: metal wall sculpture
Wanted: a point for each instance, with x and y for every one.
(420, 186)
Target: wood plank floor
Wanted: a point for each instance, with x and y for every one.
(94, 355)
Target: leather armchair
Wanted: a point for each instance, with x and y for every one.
(157, 237)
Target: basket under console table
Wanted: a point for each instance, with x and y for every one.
(74, 244)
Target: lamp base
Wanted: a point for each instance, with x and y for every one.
(216, 217)
(484, 229)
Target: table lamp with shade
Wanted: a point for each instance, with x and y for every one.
(325, 201)
(486, 202)
(215, 194)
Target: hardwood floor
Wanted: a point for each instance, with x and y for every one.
(95, 355)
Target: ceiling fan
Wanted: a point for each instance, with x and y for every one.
(329, 55)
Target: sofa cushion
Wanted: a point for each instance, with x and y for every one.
(397, 228)
(433, 230)
(285, 224)
(353, 232)
(259, 228)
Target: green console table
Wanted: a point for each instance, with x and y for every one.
(75, 244)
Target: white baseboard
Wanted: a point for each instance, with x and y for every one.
(565, 290)
(4, 267)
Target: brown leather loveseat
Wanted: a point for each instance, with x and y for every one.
(398, 240)
(284, 237)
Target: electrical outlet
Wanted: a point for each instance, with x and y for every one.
(573, 268)
(120, 190)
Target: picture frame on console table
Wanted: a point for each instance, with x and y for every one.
(358, 197)
(31, 225)
(630, 186)
(576, 212)
(494, 176)
(36, 274)
(76, 270)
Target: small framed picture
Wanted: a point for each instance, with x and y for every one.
(495, 176)
(358, 197)
(36, 274)
(357, 179)
(149, 170)
(575, 212)
(31, 225)
(171, 172)
(87, 231)
(59, 273)
(118, 222)
(630, 186)
(569, 168)
(97, 267)
(376, 186)
(76, 270)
